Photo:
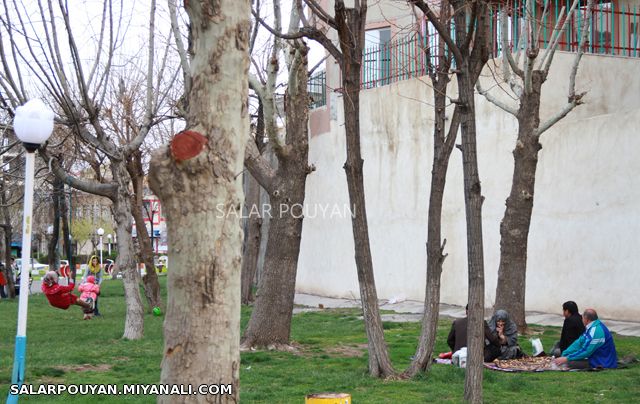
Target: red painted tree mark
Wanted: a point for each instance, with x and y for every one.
(186, 145)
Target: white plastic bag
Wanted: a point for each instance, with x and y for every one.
(536, 344)
(459, 357)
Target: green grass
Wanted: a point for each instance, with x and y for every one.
(331, 356)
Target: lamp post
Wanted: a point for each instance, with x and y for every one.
(109, 241)
(33, 124)
(100, 233)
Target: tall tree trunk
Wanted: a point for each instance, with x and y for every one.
(252, 238)
(443, 145)
(379, 361)
(351, 24)
(514, 228)
(270, 321)
(8, 230)
(66, 233)
(475, 257)
(134, 320)
(150, 279)
(468, 70)
(197, 180)
(8, 271)
(253, 235)
(150, 282)
(52, 249)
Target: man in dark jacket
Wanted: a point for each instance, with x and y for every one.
(572, 328)
(458, 335)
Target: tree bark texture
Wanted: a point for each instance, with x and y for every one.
(52, 248)
(126, 261)
(202, 197)
(467, 73)
(253, 232)
(514, 228)
(475, 255)
(270, 322)
(435, 247)
(150, 282)
(351, 35)
(8, 230)
(252, 239)
(66, 234)
(150, 279)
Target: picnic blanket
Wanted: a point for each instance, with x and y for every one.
(527, 364)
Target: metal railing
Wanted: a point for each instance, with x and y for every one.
(615, 27)
(317, 89)
(615, 32)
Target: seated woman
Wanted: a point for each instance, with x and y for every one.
(506, 333)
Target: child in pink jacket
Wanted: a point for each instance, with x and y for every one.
(90, 292)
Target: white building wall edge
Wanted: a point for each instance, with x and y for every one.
(586, 218)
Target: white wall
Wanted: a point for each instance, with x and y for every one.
(586, 217)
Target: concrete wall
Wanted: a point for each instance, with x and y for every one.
(586, 217)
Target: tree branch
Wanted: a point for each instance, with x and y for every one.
(531, 53)
(507, 108)
(319, 12)
(295, 35)
(585, 35)
(574, 99)
(472, 24)
(444, 34)
(259, 167)
(577, 100)
(544, 15)
(551, 50)
(106, 190)
(322, 39)
(135, 144)
(184, 61)
(505, 45)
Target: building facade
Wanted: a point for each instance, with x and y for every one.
(582, 243)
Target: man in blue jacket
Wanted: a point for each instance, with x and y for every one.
(594, 348)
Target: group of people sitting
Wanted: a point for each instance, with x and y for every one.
(585, 342)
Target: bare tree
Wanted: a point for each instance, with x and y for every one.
(349, 24)
(11, 194)
(145, 247)
(526, 81)
(7, 228)
(52, 249)
(42, 39)
(470, 52)
(438, 65)
(254, 220)
(196, 178)
(270, 322)
(121, 119)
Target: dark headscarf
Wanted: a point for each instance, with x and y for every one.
(510, 328)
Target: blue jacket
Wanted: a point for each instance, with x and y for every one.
(596, 345)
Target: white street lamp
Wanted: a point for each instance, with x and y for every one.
(100, 233)
(33, 124)
(109, 241)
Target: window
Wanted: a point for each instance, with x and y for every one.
(377, 58)
(317, 88)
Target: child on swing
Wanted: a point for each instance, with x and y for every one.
(60, 296)
(90, 292)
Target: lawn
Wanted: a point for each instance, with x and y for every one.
(330, 356)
